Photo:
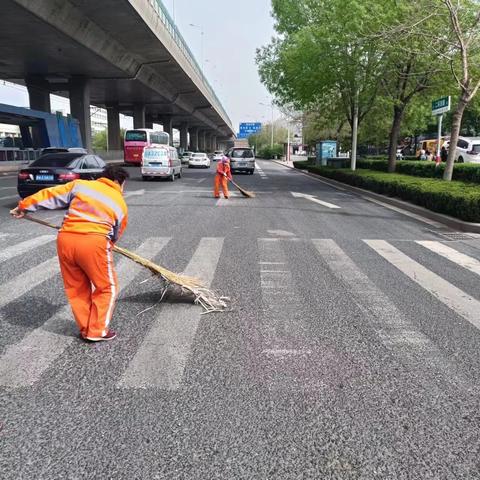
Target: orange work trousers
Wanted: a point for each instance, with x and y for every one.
(90, 280)
(223, 181)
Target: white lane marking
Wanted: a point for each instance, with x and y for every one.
(11, 197)
(8, 188)
(23, 363)
(134, 193)
(161, 359)
(312, 198)
(453, 255)
(21, 284)
(283, 352)
(454, 298)
(394, 329)
(262, 174)
(20, 248)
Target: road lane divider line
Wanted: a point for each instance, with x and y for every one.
(448, 294)
(453, 255)
(162, 357)
(312, 198)
(22, 364)
(20, 248)
(10, 197)
(395, 331)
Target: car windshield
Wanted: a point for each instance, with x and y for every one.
(56, 160)
(242, 154)
(476, 148)
(135, 136)
(199, 155)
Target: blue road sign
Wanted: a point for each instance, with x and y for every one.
(249, 128)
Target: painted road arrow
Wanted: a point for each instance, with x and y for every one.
(312, 198)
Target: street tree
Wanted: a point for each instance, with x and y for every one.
(321, 54)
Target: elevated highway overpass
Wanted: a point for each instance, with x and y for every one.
(124, 55)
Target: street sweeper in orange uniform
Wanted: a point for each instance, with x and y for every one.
(222, 176)
(96, 218)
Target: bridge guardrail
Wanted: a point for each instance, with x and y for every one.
(167, 20)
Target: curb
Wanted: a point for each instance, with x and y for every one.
(446, 220)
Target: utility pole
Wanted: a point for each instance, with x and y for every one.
(355, 132)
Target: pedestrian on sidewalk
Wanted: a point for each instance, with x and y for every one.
(96, 218)
(443, 154)
(222, 176)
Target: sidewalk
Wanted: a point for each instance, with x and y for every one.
(14, 167)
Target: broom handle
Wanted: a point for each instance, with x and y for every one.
(41, 222)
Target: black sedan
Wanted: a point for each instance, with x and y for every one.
(58, 169)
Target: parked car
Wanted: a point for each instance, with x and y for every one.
(218, 155)
(63, 150)
(161, 161)
(468, 150)
(199, 160)
(57, 169)
(186, 157)
(242, 160)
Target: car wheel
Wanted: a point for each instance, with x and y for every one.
(144, 178)
(180, 174)
(172, 177)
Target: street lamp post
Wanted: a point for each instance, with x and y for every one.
(271, 105)
(202, 33)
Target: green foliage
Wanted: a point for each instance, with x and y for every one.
(458, 199)
(99, 141)
(463, 172)
(264, 137)
(269, 152)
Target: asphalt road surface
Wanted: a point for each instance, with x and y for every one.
(351, 350)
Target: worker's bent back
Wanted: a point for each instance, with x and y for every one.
(94, 207)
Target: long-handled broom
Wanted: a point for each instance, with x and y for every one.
(202, 295)
(244, 192)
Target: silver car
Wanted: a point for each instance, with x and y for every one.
(242, 160)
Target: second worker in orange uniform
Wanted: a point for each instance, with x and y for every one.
(96, 218)
(222, 176)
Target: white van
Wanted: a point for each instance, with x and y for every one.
(161, 161)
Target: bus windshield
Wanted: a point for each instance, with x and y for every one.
(135, 136)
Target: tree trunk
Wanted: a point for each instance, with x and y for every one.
(398, 111)
(455, 133)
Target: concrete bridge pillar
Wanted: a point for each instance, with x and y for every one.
(113, 119)
(202, 140)
(193, 139)
(79, 90)
(184, 136)
(139, 116)
(167, 122)
(39, 99)
(38, 93)
(214, 143)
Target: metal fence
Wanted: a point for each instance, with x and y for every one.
(19, 155)
(182, 44)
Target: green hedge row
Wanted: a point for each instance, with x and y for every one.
(465, 172)
(458, 199)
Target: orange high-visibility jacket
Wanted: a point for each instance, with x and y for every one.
(224, 167)
(94, 206)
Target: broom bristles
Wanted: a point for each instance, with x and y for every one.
(244, 192)
(203, 295)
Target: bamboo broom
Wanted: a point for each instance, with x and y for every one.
(244, 192)
(202, 295)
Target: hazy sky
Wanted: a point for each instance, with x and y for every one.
(233, 30)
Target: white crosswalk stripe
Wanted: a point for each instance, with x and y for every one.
(28, 280)
(161, 359)
(23, 363)
(262, 174)
(23, 247)
(454, 298)
(453, 255)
